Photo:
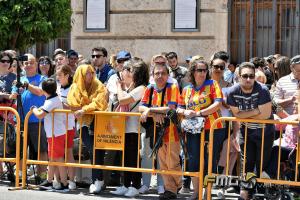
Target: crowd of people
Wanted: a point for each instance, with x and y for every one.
(200, 92)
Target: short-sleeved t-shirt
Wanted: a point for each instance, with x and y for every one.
(6, 82)
(260, 95)
(29, 99)
(132, 123)
(198, 98)
(286, 87)
(171, 99)
(63, 97)
(59, 123)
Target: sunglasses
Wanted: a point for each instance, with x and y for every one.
(221, 67)
(200, 70)
(121, 60)
(97, 56)
(5, 61)
(246, 76)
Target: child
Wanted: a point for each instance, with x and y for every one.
(56, 137)
(64, 77)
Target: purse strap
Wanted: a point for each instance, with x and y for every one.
(134, 105)
(150, 96)
(163, 96)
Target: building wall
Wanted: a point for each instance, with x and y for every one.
(143, 27)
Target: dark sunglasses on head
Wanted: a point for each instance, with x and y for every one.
(246, 76)
(295, 60)
(201, 70)
(97, 56)
(5, 61)
(221, 67)
(44, 63)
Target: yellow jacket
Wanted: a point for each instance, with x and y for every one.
(88, 99)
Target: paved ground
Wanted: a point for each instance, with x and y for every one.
(78, 194)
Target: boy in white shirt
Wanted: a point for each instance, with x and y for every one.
(56, 136)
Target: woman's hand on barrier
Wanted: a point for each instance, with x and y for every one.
(190, 113)
(145, 115)
(159, 118)
(78, 113)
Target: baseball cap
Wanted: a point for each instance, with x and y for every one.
(123, 55)
(188, 59)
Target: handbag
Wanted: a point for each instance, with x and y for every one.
(193, 125)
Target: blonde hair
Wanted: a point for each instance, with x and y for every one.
(197, 57)
(260, 77)
(113, 60)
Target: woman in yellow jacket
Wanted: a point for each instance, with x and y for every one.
(88, 94)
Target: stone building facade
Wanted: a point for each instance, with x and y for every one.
(144, 28)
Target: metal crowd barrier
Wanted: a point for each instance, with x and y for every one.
(11, 158)
(103, 121)
(223, 179)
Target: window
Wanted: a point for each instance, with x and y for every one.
(264, 27)
(185, 15)
(96, 15)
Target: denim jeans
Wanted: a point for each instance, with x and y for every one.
(253, 148)
(193, 147)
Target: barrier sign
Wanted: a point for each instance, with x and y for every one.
(109, 132)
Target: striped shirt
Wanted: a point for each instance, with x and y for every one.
(63, 97)
(286, 87)
(171, 99)
(199, 98)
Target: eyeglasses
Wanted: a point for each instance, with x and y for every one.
(5, 61)
(221, 67)
(246, 76)
(160, 73)
(200, 70)
(97, 56)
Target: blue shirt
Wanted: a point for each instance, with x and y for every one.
(105, 73)
(29, 99)
(6, 82)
